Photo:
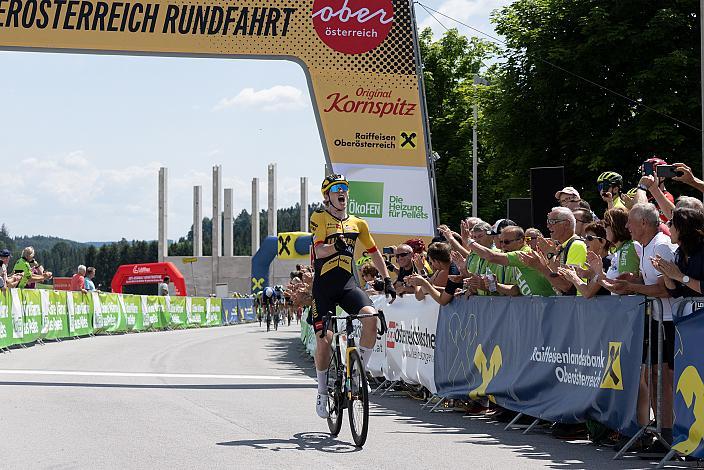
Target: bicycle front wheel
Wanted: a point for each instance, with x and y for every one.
(335, 395)
(358, 404)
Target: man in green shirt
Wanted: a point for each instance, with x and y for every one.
(24, 266)
(528, 281)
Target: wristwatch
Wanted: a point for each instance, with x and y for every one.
(685, 279)
(643, 187)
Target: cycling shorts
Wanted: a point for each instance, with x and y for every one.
(350, 297)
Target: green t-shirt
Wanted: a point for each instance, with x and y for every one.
(478, 265)
(529, 280)
(23, 265)
(576, 253)
(628, 260)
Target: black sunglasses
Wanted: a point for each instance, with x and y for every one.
(591, 238)
(506, 242)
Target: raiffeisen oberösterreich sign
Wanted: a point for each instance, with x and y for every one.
(358, 55)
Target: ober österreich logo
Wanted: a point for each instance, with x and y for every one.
(353, 26)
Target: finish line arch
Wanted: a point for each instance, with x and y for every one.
(360, 58)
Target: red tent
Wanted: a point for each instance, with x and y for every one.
(148, 273)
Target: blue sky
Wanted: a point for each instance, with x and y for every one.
(82, 136)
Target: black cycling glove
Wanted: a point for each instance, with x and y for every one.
(340, 243)
(389, 288)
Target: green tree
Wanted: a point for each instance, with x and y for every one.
(449, 66)
(536, 114)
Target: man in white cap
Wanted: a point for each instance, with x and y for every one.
(568, 197)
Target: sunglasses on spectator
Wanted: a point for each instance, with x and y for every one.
(555, 221)
(591, 238)
(401, 255)
(336, 188)
(566, 200)
(506, 242)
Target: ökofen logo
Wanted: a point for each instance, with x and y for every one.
(366, 199)
(353, 26)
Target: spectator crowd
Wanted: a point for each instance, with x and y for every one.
(646, 242)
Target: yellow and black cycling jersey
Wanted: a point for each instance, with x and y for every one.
(325, 228)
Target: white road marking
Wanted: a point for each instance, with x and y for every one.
(151, 375)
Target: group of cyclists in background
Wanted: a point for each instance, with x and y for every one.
(274, 306)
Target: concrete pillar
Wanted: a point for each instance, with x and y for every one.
(163, 246)
(197, 220)
(271, 208)
(217, 250)
(304, 204)
(255, 215)
(228, 239)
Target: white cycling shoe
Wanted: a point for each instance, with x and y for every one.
(321, 406)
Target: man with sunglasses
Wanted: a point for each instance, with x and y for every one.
(528, 280)
(335, 234)
(406, 267)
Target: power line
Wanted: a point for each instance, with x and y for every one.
(562, 69)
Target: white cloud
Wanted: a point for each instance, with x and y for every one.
(276, 98)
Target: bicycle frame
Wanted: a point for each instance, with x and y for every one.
(349, 340)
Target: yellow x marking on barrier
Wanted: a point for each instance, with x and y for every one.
(257, 284)
(488, 370)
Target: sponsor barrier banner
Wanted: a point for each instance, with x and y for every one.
(153, 308)
(213, 308)
(564, 359)
(132, 308)
(246, 309)
(80, 313)
(176, 313)
(688, 429)
(196, 309)
(55, 314)
(6, 337)
(230, 312)
(33, 321)
(16, 306)
(410, 341)
(107, 314)
(307, 333)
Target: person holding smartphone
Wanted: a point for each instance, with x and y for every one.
(651, 182)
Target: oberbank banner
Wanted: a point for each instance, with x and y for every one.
(564, 359)
(358, 56)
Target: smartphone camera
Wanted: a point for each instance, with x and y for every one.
(667, 171)
(648, 169)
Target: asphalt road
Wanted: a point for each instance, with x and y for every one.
(231, 397)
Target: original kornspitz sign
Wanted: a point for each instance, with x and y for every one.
(358, 55)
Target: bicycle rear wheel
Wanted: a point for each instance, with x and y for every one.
(358, 405)
(335, 395)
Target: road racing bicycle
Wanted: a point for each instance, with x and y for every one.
(347, 383)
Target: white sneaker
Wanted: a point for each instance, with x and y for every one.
(321, 406)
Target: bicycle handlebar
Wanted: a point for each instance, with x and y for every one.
(380, 315)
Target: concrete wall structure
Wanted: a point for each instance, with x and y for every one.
(197, 220)
(272, 229)
(228, 237)
(217, 246)
(235, 271)
(255, 215)
(304, 204)
(163, 246)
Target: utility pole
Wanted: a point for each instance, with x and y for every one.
(475, 161)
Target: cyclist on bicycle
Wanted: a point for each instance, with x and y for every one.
(268, 300)
(334, 236)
